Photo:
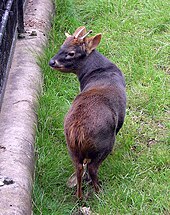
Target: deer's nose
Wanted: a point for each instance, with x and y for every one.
(52, 63)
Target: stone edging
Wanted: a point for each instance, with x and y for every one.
(18, 116)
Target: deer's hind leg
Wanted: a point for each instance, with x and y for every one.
(79, 174)
(78, 163)
(93, 166)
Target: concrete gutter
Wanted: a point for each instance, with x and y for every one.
(18, 114)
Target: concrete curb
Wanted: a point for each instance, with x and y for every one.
(18, 117)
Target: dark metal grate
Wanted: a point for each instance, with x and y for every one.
(11, 17)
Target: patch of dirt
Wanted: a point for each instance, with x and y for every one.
(30, 18)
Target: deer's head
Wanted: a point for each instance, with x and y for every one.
(75, 49)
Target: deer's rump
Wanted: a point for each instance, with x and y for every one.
(90, 125)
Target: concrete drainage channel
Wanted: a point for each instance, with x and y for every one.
(18, 116)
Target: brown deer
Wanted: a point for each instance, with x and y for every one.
(98, 112)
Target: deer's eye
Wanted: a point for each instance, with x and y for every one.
(70, 54)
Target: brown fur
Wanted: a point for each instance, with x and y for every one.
(80, 123)
(71, 41)
(97, 113)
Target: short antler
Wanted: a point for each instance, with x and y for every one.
(67, 34)
(84, 36)
(79, 32)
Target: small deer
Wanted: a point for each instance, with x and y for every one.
(98, 112)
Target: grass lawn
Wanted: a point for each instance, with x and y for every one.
(136, 177)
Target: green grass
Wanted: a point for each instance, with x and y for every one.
(136, 178)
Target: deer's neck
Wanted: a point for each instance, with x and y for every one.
(96, 70)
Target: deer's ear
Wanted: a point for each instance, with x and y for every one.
(79, 32)
(93, 42)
